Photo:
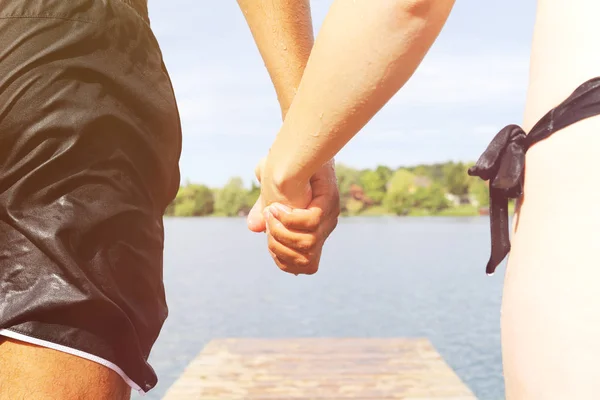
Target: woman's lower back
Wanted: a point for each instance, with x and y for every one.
(551, 305)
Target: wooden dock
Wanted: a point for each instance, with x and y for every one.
(332, 369)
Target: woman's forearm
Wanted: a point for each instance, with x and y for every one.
(283, 32)
(366, 50)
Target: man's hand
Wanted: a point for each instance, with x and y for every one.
(283, 33)
(296, 236)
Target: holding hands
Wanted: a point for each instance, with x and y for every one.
(297, 219)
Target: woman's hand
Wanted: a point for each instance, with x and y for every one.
(275, 187)
(296, 235)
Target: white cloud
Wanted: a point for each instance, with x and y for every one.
(229, 100)
(467, 80)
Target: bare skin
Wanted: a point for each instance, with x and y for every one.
(33, 372)
(282, 30)
(551, 303)
(363, 55)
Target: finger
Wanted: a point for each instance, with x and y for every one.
(297, 218)
(324, 181)
(281, 265)
(277, 261)
(302, 242)
(326, 228)
(255, 220)
(291, 261)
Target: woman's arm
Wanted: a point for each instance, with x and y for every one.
(365, 52)
(282, 30)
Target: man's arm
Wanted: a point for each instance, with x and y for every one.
(365, 52)
(283, 32)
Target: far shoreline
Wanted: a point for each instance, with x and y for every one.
(466, 211)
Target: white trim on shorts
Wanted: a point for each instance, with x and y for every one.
(74, 352)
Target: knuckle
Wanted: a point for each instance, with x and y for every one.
(319, 214)
(272, 245)
(281, 264)
(274, 233)
(285, 220)
(308, 243)
(283, 267)
(314, 222)
(311, 269)
(302, 262)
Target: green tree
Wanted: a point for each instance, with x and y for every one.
(436, 172)
(373, 184)
(402, 180)
(478, 188)
(480, 191)
(456, 179)
(232, 199)
(193, 200)
(422, 170)
(384, 172)
(253, 195)
(346, 177)
(431, 199)
(354, 206)
(398, 197)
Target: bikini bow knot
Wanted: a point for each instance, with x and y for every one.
(502, 164)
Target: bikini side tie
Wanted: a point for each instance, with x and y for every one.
(503, 162)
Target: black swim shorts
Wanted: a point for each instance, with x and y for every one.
(90, 140)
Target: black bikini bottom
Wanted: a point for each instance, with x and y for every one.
(503, 162)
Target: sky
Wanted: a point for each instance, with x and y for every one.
(471, 84)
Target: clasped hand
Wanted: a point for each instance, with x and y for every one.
(297, 221)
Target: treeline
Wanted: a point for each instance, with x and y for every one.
(437, 189)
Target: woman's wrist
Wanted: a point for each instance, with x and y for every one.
(284, 173)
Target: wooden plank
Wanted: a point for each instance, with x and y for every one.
(319, 369)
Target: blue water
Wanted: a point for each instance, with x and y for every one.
(379, 277)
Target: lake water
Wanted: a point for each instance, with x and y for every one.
(379, 277)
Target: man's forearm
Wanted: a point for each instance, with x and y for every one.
(282, 30)
(364, 53)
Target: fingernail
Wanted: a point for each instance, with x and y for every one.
(273, 210)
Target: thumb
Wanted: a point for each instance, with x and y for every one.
(256, 221)
(259, 168)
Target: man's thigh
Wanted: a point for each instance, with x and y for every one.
(33, 372)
